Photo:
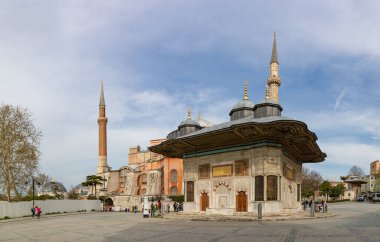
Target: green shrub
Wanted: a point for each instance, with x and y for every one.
(6, 217)
(178, 198)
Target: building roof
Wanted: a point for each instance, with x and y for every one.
(294, 136)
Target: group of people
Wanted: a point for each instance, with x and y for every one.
(36, 211)
(177, 207)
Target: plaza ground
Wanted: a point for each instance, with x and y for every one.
(354, 222)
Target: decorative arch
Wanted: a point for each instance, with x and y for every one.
(242, 190)
(203, 191)
(222, 183)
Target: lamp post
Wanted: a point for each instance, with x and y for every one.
(33, 182)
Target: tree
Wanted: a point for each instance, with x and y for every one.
(311, 180)
(355, 171)
(92, 181)
(73, 194)
(337, 191)
(19, 149)
(325, 188)
(43, 179)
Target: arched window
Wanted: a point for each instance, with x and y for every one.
(139, 180)
(271, 188)
(173, 190)
(259, 188)
(143, 191)
(138, 191)
(173, 176)
(143, 179)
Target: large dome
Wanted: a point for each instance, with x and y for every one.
(49, 187)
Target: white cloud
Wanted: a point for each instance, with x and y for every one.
(53, 56)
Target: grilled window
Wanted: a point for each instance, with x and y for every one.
(259, 188)
(271, 188)
(204, 171)
(143, 178)
(241, 168)
(190, 191)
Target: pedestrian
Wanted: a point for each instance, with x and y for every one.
(168, 207)
(38, 212)
(33, 210)
(175, 206)
(159, 206)
(151, 209)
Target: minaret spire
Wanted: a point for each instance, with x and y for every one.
(188, 113)
(274, 80)
(102, 102)
(245, 90)
(102, 122)
(266, 92)
(274, 50)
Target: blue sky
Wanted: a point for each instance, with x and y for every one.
(158, 57)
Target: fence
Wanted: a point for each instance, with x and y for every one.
(20, 209)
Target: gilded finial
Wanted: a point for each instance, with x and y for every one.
(266, 92)
(188, 113)
(245, 90)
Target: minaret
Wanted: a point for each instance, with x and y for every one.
(274, 81)
(102, 121)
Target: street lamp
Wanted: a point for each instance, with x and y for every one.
(33, 182)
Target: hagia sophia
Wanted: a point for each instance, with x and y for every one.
(228, 168)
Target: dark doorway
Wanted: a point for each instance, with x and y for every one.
(204, 201)
(241, 202)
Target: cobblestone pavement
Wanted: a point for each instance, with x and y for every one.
(354, 222)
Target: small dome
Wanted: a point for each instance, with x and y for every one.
(49, 187)
(243, 104)
(189, 122)
(204, 123)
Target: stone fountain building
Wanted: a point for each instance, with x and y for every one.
(256, 157)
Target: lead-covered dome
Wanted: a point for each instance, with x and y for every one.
(244, 108)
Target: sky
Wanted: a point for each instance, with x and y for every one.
(156, 58)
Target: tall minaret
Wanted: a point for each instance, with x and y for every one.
(274, 81)
(102, 121)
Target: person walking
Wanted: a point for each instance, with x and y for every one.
(151, 209)
(38, 212)
(33, 210)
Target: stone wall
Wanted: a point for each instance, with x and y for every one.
(20, 209)
(222, 191)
